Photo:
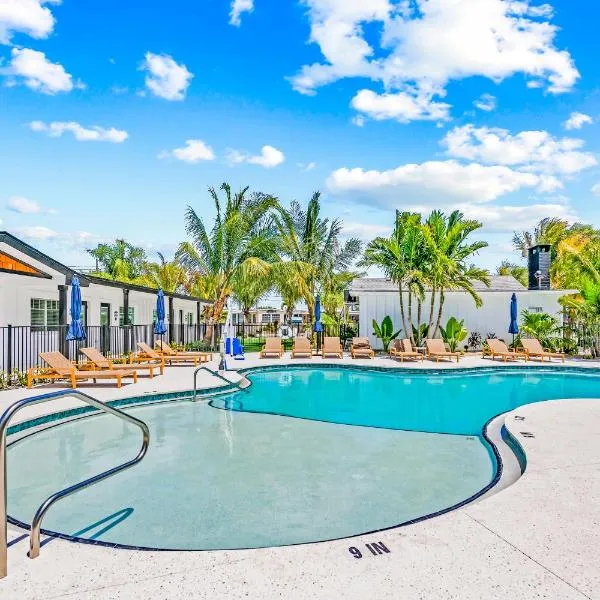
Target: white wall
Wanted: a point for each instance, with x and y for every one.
(492, 317)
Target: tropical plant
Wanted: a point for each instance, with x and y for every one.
(541, 326)
(241, 244)
(454, 333)
(519, 272)
(168, 276)
(385, 332)
(474, 340)
(313, 246)
(121, 260)
(420, 333)
(249, 288)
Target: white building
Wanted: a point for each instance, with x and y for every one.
(35, 297)
(378, 297)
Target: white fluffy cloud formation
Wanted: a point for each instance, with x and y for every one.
(36, 232)
(269, 157)
(25, 16)
(237, 8)
(485, 102)
(529, 150)
(577, 120)
(33, 69)
(164, 77)
(22, 205)
(424, 184)
(194, 151)
(80, 133)
(596, 189)
(424, 44)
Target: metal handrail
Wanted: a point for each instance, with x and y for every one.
(242, 384)
(34, 538)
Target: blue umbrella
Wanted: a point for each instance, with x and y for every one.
(318, 324)
(76, 330)
(514, 315)
(159, 327)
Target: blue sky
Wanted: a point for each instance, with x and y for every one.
(116, 116)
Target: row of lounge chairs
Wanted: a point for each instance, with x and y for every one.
(403, 350)
(98, 366)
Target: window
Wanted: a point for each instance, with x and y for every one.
(535, 309)
(44, 313)
(189, 319)
(122, 314)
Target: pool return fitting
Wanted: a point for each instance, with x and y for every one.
(36, 524)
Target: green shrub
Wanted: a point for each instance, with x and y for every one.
(385, 332)
(454, 333)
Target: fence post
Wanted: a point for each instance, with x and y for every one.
(10, 350)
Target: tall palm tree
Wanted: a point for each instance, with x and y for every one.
(248, 288)
(290, 280)
(121, 260)
(313, 244)
(519, 272)
(446, 238)
(240, 244)
(166, 275)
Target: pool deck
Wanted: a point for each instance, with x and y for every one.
(538, 538)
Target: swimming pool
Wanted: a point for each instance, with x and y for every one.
(303, 455)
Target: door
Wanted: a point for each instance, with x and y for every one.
(104, 328)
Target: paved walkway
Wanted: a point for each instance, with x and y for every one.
(539, 538)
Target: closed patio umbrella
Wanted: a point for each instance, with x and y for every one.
(514, 315)
(159, 327)
(76, 331)
(318, 325)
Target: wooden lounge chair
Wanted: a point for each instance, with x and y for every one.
(332, 347)
(168, 352)
(534, 349)
(437, 350)
(361, 348)
(403, 349)
(148, 354)
(302, 347)
(62, 368)
(98, 361)
(499, 348)
(272, 347)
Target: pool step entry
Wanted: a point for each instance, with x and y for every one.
(242, 384)
(36, 524)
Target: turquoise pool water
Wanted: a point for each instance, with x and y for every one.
(370, 450)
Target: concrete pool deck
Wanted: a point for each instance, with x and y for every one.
(538, 538)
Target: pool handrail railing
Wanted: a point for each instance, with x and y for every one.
(34, 537)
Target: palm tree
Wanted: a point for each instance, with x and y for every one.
(290, 280)
(120, 260)
(448, 249)
(240, 244)
(248, 288)
(519, 272)
(313, 245)
(168, 276)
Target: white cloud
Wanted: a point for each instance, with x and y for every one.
(307, 166)
(485, 102)
(237, 8)
(424, 44)
(596, 189)
(25, 16)
(34, 70)
(194, 151)
(36, 232)
(403, 106)
(165, 78)
(23, 205)
(425, 183)
(577, 120)
(269, 157)
(365, 231)
(80, 133)
(530, 150)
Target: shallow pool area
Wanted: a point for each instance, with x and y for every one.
(303, 455)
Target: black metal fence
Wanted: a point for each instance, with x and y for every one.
(21, 345)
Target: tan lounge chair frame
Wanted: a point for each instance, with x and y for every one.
(99, 361)
(62, 368)
(272, 347)
(302, 347)
(499, 348)
(534, 349)
(332, 347)
(168, 352)
(403, 349)
(362, 351)
(437, 350)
